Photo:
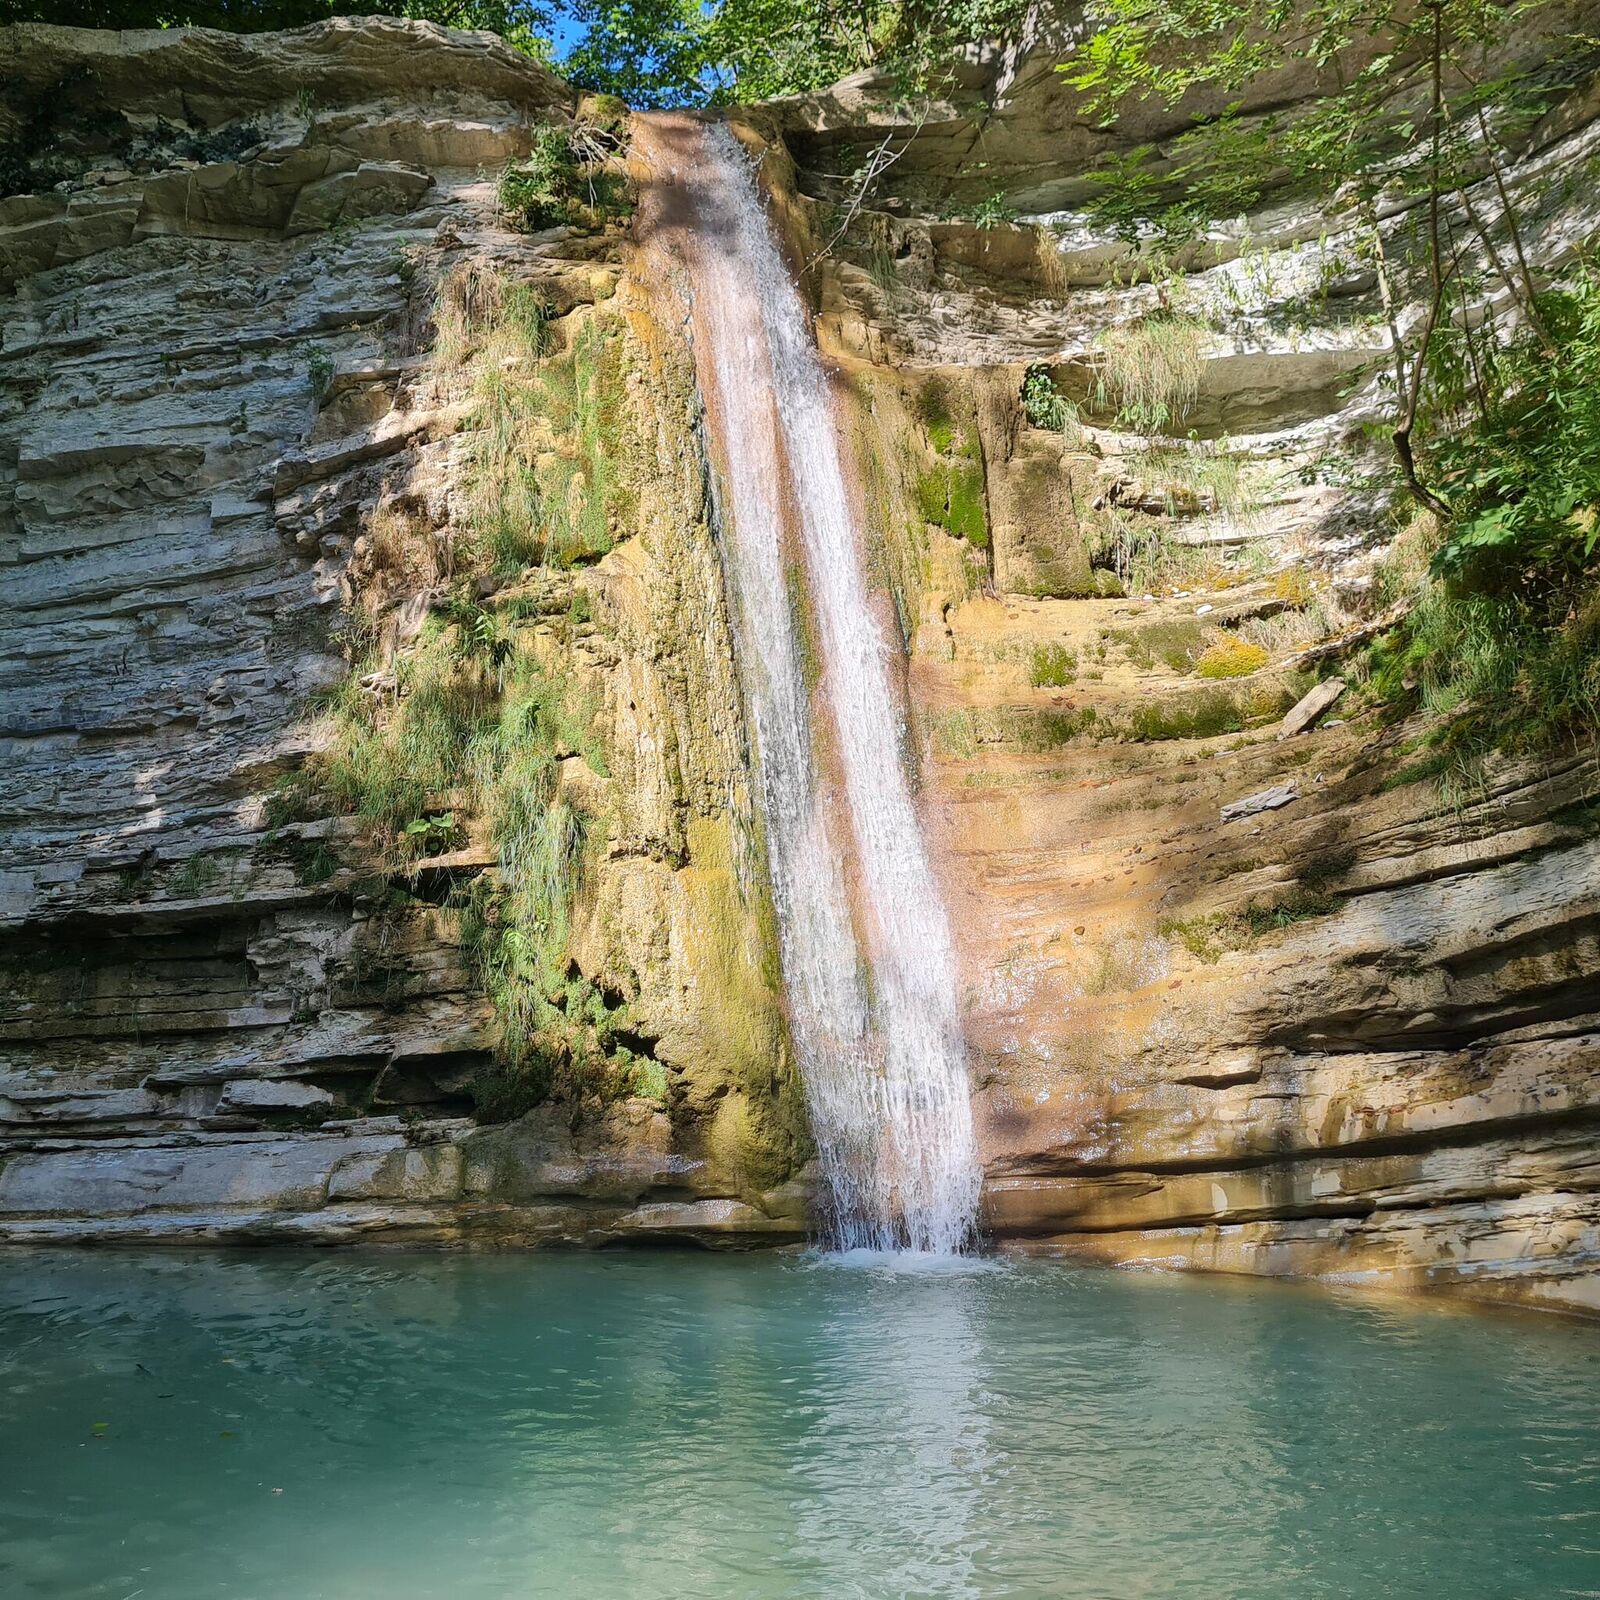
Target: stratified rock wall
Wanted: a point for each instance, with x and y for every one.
(1238, 997)
(217, 362)
(1240, 994)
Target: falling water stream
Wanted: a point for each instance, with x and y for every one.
(867, 955)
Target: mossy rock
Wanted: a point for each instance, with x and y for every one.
(951, 495)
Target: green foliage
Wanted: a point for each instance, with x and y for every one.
(649, 52)
(1500, 646)
(993, 212)
(1364, 133)
(1414, 117)
(477, 731)
(1497, 672)
(482, 637)
(566, 179)
(1044, 404)
(758, 49)
(430, 835)
(1524, 479)
(319, 372)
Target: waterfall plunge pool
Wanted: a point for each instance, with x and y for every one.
(353, 1426)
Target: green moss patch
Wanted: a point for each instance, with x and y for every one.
(1211, 937)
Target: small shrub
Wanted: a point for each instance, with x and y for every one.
(565, 179)
(994, 212)
(1045, 405)
(431, 835)
(319, 372)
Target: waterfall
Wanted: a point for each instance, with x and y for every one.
(867, 954)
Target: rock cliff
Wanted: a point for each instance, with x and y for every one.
(1246, 987)
(1249, 986)
(224, 1014)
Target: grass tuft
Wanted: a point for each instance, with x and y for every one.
(1229, 656)
(1211, 937)
(1149, 371)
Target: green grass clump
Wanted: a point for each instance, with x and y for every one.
(390, 768)
(311, 860)
(479, 309)
(1210, 937)
(1176, 643)
(1052, 729)
(197, 874)
(1052, 666)
(1201, 716)
(479, 733)
(1149, 371)
(543, 481)
(1197, 474)
(1148, 556)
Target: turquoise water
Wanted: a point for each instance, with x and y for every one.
(345, 1427)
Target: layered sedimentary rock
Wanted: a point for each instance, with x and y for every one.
(218, 363)
(1239, 993)
(1258, 995)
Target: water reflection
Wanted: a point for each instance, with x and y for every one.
(277, 1426)
(899, 1385)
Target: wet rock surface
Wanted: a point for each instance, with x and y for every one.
(1248, 988)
